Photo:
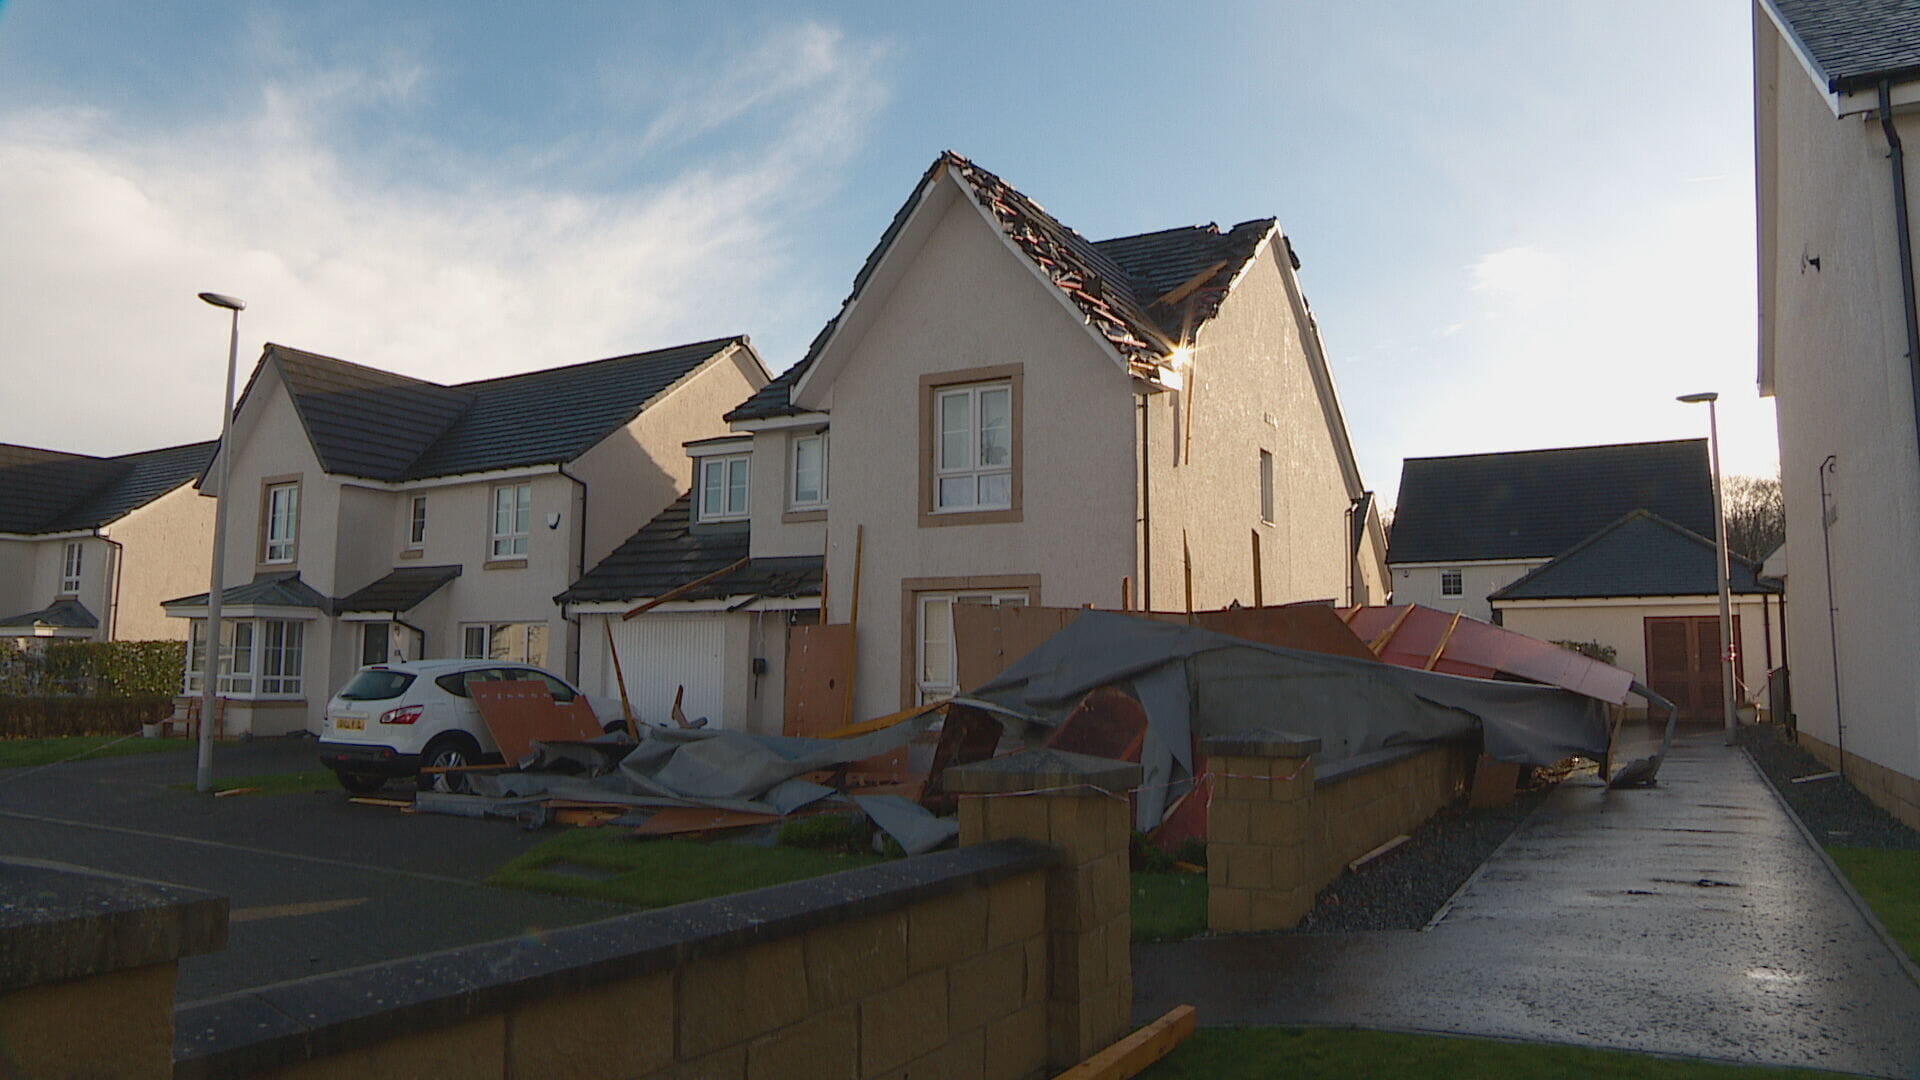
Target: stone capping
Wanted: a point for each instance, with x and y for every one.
(60, 922)
(1261, 742)
(287, 1023)
(1055, 772)
(1348, 768)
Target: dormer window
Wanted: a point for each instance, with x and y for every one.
(280, 531)
(723, 487)
(70, 568)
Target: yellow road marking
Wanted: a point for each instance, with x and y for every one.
(281, 911)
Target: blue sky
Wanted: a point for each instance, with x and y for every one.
(1522, 224)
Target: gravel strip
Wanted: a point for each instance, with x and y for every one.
(1402, 889)
(1834, 809)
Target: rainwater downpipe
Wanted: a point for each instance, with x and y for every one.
(579, 571)
(1833, 633)
(113, 604)
(1146, 513)
(422, 634)
(1903, 234)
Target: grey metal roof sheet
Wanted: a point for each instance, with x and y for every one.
(1856, 43)
(1642, 554)
(48, 491)
(276, 589)
(1538, 503)
(670, 551)
(400, 589)
(61, 615)
(385, 426)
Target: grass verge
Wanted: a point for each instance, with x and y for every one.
(15, 753)
(1889, 881)
(658, 873)
(1168, 906)
(1309, 1053)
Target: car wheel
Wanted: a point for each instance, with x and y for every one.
(361, 783)
(448, 751)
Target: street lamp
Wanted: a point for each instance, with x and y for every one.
(1720, 530)
(216, 583)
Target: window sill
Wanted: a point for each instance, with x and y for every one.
(519, 563)
(804, 515)
(936, 518)
(276, 567)
(412, 553)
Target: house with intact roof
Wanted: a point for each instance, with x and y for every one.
(1001, 412)
(1836, 106)
(90, 546)
(376, 517)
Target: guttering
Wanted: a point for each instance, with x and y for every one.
(1903, 235)
(1146, 513)
(113, 602)
(1833, 632)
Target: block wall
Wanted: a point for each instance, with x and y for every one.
(1891, 790)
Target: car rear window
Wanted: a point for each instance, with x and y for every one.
(377, 685)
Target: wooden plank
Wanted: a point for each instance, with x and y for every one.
(679, 591)
(1379, 851)
(1441, 646)
(817, 689)
(1259, 596)
(518, 711)
(1107, 723)
(1493, 782)
(878, 723)
(988, 640)
(1380, 640)
(1308, 626)
(1126, 594)
(853, 626)
(1131, 1055)
(368, 800)
(1186, 560)
(626, 704)
(675, 820)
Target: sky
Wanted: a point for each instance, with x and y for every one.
(1521, 224)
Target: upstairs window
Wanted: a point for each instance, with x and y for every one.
(512, 514)
(282, 527)
(417, 523)
(973, 448)
(809, 490)
(70, 568)
(723, 488)
(1450, 583)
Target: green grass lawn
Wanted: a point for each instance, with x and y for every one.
(1889, 881)
(18, 752)
(658, 873)
(1168, 906)
(1337, 1054)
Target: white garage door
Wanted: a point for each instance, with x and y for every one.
(660, 652)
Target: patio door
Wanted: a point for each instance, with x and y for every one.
(1683, 662)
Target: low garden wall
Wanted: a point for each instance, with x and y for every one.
(1893, 791)
(1277, 833)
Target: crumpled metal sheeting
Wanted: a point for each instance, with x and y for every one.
(913, 826)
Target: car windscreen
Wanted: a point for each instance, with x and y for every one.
(377, 685)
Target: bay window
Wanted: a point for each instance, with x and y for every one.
(257, 657)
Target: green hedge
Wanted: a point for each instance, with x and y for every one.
(52, 717)
(102, 670)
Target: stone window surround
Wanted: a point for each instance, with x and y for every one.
(267, 484)
(930, 386)
(910, 590)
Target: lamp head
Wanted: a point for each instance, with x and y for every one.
(231, 303)
(1695, 399)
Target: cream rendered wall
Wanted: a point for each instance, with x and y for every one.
(167, 546)
(1622, 625)
(968, 301)
(459, 531)
(1419, 583)
(17, 577)
(1376, 580)
(636, 472)
(1252, 391)
(271, 441)
(769, 475)
(1843, 387)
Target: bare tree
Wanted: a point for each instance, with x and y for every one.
(1756, 515)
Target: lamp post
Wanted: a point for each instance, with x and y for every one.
(1720, 531)
(216, 581)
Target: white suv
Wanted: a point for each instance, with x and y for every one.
(392, 719)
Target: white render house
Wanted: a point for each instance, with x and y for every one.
(378, 517)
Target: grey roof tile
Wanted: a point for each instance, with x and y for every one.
(47, 491)
(274, 589)
(670, 551)
(1642, 554)
(1856, 43)
(1535, 504)
(400, 589)
(60, 615)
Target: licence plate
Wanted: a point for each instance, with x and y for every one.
(351, 723)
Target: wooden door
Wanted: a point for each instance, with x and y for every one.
(1683, 662)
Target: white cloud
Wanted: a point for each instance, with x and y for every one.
(1522, 276)
(110, 232)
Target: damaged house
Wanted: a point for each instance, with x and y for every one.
(1002, 413)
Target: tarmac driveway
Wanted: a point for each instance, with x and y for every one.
(315, 883)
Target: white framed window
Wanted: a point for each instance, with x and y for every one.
(417, 522)
(808, 490)
(258, 657)
(520, 643)
(973, 447)
(1450, 584)
(70, 567)
(282, 654)
(1266, 486)
(936, 669)
(376, 643)
(512, 515)
(279, 542)
(723, 488)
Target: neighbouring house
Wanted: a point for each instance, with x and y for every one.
(1836, 94)
(1002, 412)
(90, 546)
(1468, 525)
(376, 517)
(1650, 590)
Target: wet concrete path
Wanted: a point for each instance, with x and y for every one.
(1692, 918)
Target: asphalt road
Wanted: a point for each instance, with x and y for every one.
(315, 883)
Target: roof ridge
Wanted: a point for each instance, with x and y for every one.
(733, 339)
(277, 348)
(1554, 449)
